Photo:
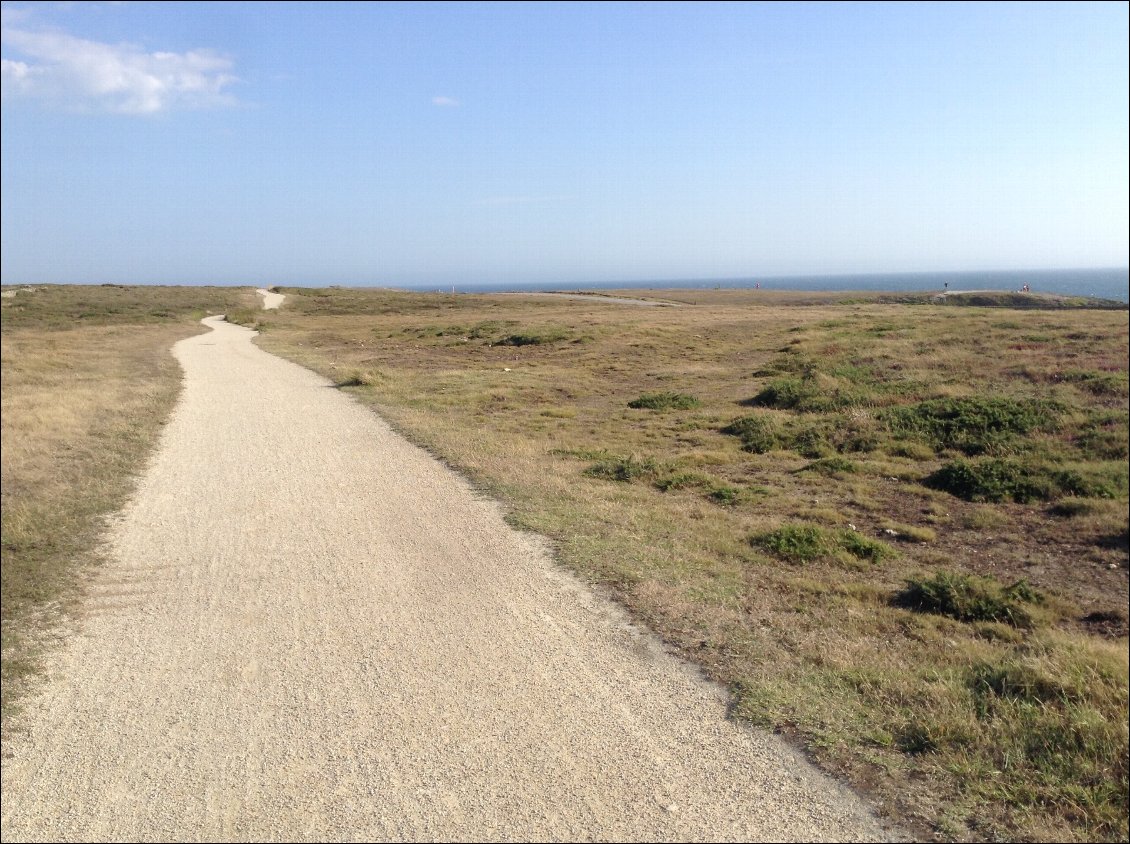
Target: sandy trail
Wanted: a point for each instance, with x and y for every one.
(310, 629)
(271, 301)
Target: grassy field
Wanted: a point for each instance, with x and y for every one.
(895, 528)
(87, 382)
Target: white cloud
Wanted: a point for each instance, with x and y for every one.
(444, 101)
(120, 78)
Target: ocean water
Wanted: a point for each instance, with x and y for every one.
(1102, 284)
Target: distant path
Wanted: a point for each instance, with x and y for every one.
(311, 629)
(271, 301)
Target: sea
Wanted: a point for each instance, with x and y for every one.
(1113, 284)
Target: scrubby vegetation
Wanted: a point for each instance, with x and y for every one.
(664, 401)
(534, 338)
(1025, 482)
(969, 598)
(757, 433)
(805, 543)
(974, 425)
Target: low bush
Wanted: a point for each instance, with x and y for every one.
(624, 469)
(757, 433)
(975, 425)
(810, 441)
(796, 543)
(831, 466)
(664, 401)
(681, 480)
(539, 338)
(1006, 480)
(967, 598)
(725, 495)
(804, 543)
(359, 378)
(864, 548)
(808, 394)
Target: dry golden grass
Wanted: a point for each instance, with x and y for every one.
(895, 699)
(87, 382)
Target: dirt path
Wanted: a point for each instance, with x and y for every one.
(271, 301)
(313, 630)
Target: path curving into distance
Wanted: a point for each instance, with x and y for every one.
(271, 301)
(310, 629)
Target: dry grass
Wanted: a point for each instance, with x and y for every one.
(87, 382)
(939, 719)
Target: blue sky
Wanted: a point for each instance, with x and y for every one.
(355, 143)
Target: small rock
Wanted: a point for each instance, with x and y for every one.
(890, 532)
(851, 526)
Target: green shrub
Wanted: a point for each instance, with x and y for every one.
(977, 425)
(1007, 480)
(553, 335)
(757, 433)
(967, 598)
(681, 480)
(624, 469)
(831, 466)
(803, 543)
(799, 543)
(725, 495)
(664, 401)
(808, 394)
(865, 548)
(810, 441)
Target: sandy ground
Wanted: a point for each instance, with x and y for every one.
(271, 301)
(310, 629)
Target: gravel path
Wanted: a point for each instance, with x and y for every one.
(312, 630)
(271, 301)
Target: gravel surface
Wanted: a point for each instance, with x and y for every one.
(271, 301)
(310, 629)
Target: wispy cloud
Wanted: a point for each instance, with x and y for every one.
(445, 101)
(122, 78)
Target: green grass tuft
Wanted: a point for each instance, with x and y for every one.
(664, 401)
(968, 598)
(805, 543)
(757, 433)
(831, 466)
(534, 338)
(623, 469)
(998, 480)
(978, 425)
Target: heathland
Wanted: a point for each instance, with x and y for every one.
(894, 527)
